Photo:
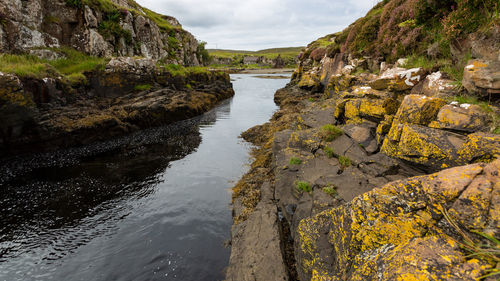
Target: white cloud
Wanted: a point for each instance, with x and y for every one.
(259, 24)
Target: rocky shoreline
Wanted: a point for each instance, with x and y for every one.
(352, 178)
(46, 114)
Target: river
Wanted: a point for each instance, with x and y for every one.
(151, 206)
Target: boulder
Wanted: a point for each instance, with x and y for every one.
(463, 118)
(332, 66)
(430, 147)
(46, 54)
(339, 83)
(398, 79)
(309, 80)
(436, 85)
(480, 147)
(131, 65)
(482, 77)
(376, 235)
(418, 109)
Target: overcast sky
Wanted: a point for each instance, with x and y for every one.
(261, 24)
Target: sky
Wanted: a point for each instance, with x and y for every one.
(261, 24)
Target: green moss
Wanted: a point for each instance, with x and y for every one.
(51, 19)
(345, 161)
(303, 186)
(295, 161)
(329, 152)
(330, 132)
(144, 87)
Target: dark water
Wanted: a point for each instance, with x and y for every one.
(152, 206)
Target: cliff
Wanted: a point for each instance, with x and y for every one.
(74, 72)
(382, 162)
(96, 27)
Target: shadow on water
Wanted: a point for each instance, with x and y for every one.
(150, 206)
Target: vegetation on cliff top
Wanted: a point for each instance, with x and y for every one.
(71, 66)
(402, 28)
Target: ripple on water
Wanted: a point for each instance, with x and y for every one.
(150, 206)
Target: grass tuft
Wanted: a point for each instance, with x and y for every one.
(303, 186)
(330, 132)
(345, 161)
(330, 190)
(295, 161)
(329, 152)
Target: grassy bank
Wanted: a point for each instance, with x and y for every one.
(71, 65)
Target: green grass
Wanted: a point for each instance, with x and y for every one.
(71, 67)
(176, 69)
(345, 162)
(303, 186)
(329, 152)
(454, 70)
(487, 250)
(330, 132)
(287, 54)
(311, 99)
(295, 161)
(330, 190)
(144, 87)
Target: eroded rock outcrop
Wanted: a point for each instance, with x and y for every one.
(99, 28)
(130, 94)
(400, 229)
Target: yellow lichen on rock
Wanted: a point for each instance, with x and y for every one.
(386, 233)
(309, 80)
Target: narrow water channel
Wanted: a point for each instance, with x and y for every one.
(152, 206)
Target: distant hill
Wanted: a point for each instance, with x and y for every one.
(289, 56)
(270, 53)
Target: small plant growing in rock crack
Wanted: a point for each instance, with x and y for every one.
(344, 161)
(330, 132)
(329, 152)
(303, 186)
(295, 161)
(311, 99)
(330, 190)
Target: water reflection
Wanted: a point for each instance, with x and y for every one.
(151, 206)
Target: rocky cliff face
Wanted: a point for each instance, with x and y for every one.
(96, 27)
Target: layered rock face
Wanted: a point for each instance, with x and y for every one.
(130, 94)
(99, 28)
